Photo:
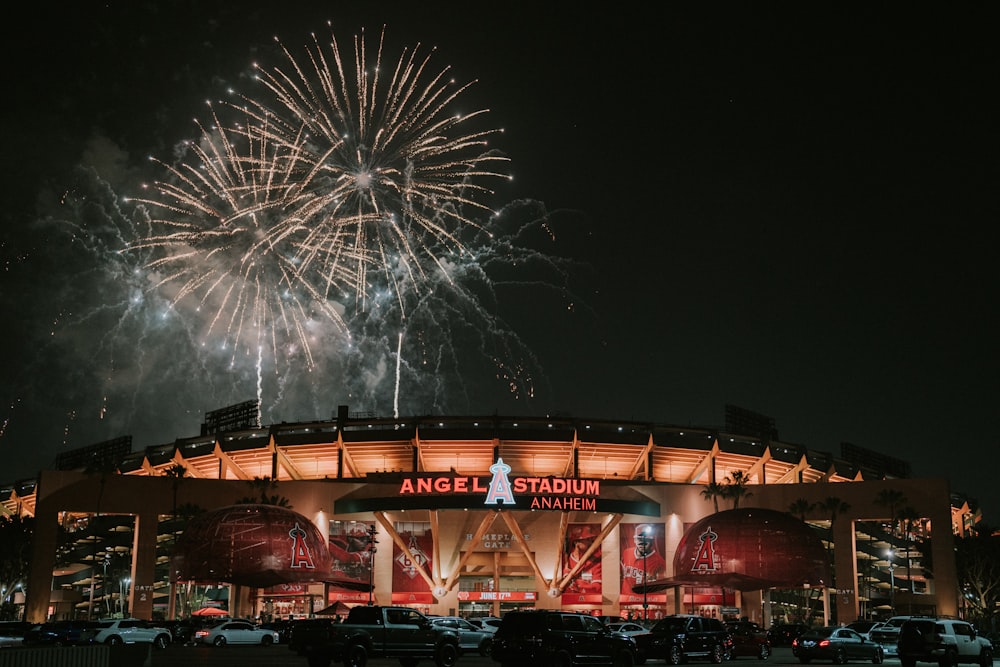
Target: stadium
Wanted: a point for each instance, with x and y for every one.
(480, 515)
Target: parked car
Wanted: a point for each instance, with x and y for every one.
(470, 638)
(61, 633)
(117, 631)
(544, 638)
(945, 641)
(837, 644)
(629, 628)
(782, 634)
(864, 628)
(236, 632)
(181, 631)
(12, 633)
(282, 627)
(681, 637)
(487, 623)
(887, 634)
(749, 639)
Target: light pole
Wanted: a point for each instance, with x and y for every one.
(371, 563)
(645, 556)
(892, 581)
(104, 582)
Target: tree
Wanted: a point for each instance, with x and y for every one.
(15, 555)
(713, 491)
(800, 508)
(176, 473)
(260, 486)
(892, 500)
(736, 487)
(908, 516)
(833, 507)
(977, 561)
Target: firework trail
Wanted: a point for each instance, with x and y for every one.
(322, 243)
(341, 182)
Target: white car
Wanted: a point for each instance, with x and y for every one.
(628, 628)
(487, 623)
(117, 631)
(236, 632)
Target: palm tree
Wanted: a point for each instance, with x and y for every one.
(833, 506)
(176, 472)
(736, 487)
(908, 515)
(891, 499)
(260, 487)
(712, 491)
(800, 508)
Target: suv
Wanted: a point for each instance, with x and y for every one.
(487, 623)
(61, 633)
(887, 634)
(748, 639)
(130, 631)
(552, 638)
(945, 641)
(470, 637)
(680, 637)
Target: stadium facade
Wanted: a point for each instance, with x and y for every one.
(476, 516)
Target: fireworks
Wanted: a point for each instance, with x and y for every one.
(340, 186)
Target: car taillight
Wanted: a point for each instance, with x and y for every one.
(825, 642)
(201, 633)
(795, 642)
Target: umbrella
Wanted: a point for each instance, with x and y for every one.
(210, 611)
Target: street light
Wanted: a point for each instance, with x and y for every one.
(371, 563)
(892, 581)
(645, 556)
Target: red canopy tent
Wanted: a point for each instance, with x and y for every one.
(210, 611)
(338, 608)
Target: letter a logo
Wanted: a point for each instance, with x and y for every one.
(499, 491)
(705, 560)
(300, 551)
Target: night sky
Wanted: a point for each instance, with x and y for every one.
(790, 208)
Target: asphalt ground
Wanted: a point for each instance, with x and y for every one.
(280, 656)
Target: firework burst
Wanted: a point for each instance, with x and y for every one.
(341, 183)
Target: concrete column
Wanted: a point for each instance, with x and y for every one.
(945, 581)
(44, 542)
(845, 564)
(143, 565)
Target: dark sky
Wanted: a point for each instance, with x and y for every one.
(786, 207)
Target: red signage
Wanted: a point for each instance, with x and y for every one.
(554, 493)
(493, 596)
(413, 598)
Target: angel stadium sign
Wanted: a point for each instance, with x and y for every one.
(501, 490)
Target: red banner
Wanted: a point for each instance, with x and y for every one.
(642, 548)
(583, 598)
(406, 577)
(412, 598)
(492, 596)
(579, 538)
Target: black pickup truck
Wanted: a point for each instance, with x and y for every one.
(375, 632)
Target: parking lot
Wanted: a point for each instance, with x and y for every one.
(280, 656)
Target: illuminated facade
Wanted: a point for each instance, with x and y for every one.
(478, 516)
